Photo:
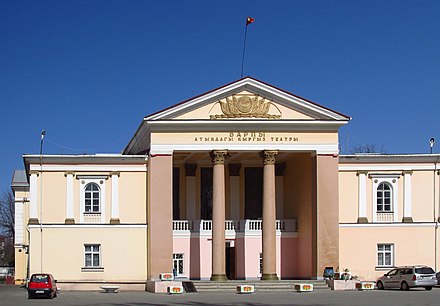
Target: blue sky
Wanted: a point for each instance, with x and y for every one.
(88, 71)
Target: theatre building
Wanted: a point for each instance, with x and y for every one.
(242, 182)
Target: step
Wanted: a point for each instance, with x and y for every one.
(262, 286)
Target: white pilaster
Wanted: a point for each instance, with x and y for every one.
(407, 197)
(115, 196)
(33, 190)
(362, 197)
(69, 196)
(19, 222)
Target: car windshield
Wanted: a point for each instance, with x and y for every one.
(39, 278)
(425, 270)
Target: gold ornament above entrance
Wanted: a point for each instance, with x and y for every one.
(246, 106)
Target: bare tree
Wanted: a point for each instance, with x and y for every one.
(368, 148)
(7, 225)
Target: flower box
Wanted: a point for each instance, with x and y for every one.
(166, 276)
(245, 289)
(175, 289)
(365, 285)
(303, 287)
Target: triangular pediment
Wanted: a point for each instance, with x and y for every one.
(241, 105)
(247, 98)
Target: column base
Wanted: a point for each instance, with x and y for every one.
(218, 278)
(269, 276)
(407, 219)
(362, 220)
(115, 221)
(69, 221)
(33, 221)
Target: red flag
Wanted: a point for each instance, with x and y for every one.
(249, 20)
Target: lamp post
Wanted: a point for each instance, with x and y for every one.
(431, 144)
(43, 133)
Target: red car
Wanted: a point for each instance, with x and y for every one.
(42, 284)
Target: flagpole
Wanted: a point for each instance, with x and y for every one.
(244, 50)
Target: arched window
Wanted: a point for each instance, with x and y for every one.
(92, 198)
(384, 196)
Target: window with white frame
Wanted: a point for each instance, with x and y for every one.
(384, 198)
(178, 263)
(385, 255)
(92, 255)
(92, 198)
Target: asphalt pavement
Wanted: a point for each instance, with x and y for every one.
(16, 296)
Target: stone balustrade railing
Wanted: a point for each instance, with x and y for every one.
(289, 225)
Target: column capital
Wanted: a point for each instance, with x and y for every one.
(34, 172)
(190, 169)
(361, 172)
(269, 156)
(218, 157)
(69, 173)
(407, 172)
(115, 173)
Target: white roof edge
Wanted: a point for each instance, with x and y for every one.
(252, 82)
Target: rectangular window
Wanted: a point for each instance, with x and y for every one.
(92, 256)
(385, 255)
(178, 261)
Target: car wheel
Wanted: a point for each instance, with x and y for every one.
(404, 286)
(428, 288)
(30, 296)
(379, 285)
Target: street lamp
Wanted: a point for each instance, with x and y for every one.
(43, 133)
(431, 144)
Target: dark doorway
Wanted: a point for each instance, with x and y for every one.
(206, 193)
(253, 182)
(176, 193)
(230, 261)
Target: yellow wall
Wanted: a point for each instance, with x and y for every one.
(358, 248)
(123, 252)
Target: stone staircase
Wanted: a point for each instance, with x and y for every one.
(260, 286)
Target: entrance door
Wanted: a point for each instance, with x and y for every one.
(253, 181)
(230, 262)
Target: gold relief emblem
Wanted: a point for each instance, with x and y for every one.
(245, 106)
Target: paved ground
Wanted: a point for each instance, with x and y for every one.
(15, 296)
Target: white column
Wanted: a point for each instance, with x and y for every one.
(69, 198)
(115, 198)
(33, 206)
(190, 177)
(234, 191)
(407, 197)
(362, 197)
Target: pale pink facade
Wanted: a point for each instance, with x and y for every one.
(242, 182)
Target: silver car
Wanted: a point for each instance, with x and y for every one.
(408, 277)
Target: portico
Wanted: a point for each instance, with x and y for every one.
(246, 151)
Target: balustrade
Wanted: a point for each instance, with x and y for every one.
(234, 225)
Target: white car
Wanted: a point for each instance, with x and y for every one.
(408, 277)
